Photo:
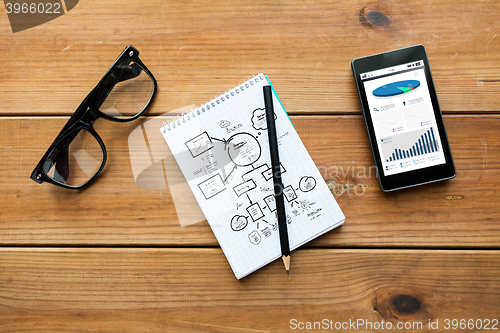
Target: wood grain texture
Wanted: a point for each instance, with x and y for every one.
(197, 49)
(462, 212)
(113, 257)
(165, 290)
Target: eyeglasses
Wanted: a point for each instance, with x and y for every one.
(78, 154)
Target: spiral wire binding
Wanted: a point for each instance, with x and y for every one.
(179, 120)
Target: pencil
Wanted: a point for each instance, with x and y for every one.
(278, 185)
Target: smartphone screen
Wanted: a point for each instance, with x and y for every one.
(403, 118)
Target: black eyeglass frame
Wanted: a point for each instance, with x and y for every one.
(88, 112)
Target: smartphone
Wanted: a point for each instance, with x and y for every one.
(403, 119)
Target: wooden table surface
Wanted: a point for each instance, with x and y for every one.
(113, 257)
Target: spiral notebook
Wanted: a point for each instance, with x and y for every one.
(222, 150)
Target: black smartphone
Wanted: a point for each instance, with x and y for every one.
(403, 119)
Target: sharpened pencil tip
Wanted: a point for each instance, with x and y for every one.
(286, 261)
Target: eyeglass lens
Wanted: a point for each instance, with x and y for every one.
(75, 159)
(127, 90)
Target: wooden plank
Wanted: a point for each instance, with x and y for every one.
(462, 212)
(199, 49)
(159, 290)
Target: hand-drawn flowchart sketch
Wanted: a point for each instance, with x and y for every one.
(232, 161)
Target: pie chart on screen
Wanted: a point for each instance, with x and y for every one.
(396, 88)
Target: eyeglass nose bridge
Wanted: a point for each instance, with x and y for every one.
(89, 117)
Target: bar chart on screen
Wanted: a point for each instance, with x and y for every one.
(409, 145)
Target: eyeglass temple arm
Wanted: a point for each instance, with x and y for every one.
(125, 73)
(61, 171)
(129, 72)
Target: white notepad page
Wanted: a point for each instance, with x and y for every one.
(222, 149)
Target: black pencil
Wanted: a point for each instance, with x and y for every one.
(278, 185)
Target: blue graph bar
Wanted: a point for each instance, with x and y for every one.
(434, 139)
(427, 143)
